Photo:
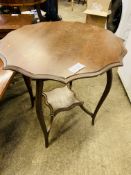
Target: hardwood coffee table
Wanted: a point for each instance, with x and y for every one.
(48, 55)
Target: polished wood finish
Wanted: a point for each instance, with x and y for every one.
(9, 22)
(48, 55)
(20, 2)
(5, 79)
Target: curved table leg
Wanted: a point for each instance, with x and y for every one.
(70, 84)
(28, 85)
(86, 110)
(39, 111)
(104, 95)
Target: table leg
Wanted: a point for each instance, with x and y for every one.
(104, 95)
(52, 11)
(39, 111)
(70, 84)
(29, 87)
(41, 18)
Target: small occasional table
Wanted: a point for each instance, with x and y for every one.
(49, 53)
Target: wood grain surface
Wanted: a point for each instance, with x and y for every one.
(9, 22)
(47, 50)
(5, 78)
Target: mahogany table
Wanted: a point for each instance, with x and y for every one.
(48, 55)
(51, 10)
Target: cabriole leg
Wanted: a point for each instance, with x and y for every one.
(104, 95)
(29, 87)
(39, 111)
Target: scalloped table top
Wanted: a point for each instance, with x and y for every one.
(47, 50)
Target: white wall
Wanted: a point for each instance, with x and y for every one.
(124, 31)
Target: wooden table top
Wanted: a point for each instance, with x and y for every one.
(48, 50)
(20, 2)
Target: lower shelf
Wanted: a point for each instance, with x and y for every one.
(61, 99)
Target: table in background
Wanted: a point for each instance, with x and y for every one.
(51, 9)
